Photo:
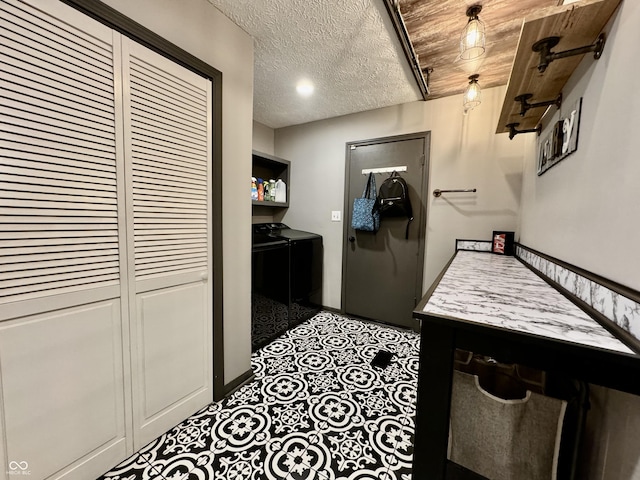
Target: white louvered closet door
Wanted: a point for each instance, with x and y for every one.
(105, 305)
(168, 152)
(63, 385)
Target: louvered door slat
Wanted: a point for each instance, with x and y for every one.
(43, 124)
(184, 174)
(175, 176)
(25, 281)
(169, 153)
(142, 177)
(69, 201)
(44, 266)
(95, 46)
(92, 249)
(49, 148)
(152, 208)
(146, 152)
(174, 86)
(145, 73)
(169, 233)
(54, 240)
(57, 118)
(171, 259)
(67, 115)
(79, 61)
(69, 255)
(147, 116)
(169, 200)
(149, 271)
(16, 208)
(51, 223)
(168, 264)
(169, 243)
(60, 139)
(21, 188)
(18, 67)
(150, 190)
(146, 122)
(58, 196)
(28, 276)
(44, 200)
(82, 282)
(77, 106)
(167, 105)
(182, 146)
(65, 232)
(72, 169)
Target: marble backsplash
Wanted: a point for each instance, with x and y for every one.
(621, 310)
(474, 245)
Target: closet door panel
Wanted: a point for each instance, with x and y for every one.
(62, 387)
(167, 112)
(59, 209)
(172, 323)
(62, 329)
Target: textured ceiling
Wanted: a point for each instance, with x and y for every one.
(350, 51)
(347, 48)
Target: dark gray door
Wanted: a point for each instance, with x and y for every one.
(382, 272)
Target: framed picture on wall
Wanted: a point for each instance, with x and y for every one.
(562, 141)
(502, 243)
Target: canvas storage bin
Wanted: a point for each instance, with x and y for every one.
(504, 439)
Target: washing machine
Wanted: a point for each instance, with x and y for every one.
(286, 279)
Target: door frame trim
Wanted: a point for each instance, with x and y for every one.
(128, 27)
(422, 225)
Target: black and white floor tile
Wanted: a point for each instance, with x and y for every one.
(317, 410)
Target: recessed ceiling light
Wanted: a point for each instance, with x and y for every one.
(304, 88)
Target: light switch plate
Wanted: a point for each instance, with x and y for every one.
(336, 215)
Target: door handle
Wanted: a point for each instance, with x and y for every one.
(352, 239)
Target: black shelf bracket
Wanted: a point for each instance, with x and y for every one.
(526, 106)
(513, 132)
(544, 46)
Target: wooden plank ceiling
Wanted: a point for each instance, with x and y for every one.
(435, 26)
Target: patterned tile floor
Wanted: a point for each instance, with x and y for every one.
(317, 410)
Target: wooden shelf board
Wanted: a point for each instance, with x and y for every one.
(269, 203)
(577, 24)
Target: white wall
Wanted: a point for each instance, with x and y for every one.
(263, 138)
(585, 211)
(465, 153)
(200, 29)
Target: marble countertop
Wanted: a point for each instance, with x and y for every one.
(500, 291)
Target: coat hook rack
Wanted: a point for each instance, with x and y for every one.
(526, 106)
(544, 46)
(513, 132)
(437, 192)
(400, 168)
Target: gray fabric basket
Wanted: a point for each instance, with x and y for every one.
(504, 439)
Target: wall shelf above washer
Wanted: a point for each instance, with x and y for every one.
(577, 24)
(270, 167)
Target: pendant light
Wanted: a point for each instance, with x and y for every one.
(471, 97)
(472, 39)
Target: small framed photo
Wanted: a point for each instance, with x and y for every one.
(502, 243)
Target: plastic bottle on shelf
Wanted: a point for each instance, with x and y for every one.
(281, 191)
(272, 190)
(254, 189)
(267, 191)
(260, 190)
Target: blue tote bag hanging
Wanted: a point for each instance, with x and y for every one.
(363, 217)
